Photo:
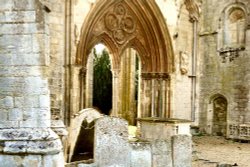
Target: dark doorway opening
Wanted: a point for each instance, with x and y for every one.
(102, 82)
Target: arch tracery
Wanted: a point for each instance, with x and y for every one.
(122, 24)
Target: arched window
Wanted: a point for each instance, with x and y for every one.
(234, 30)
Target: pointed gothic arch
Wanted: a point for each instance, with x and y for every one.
(139, 24)
(124, 23)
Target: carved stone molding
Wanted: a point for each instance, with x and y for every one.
(229, 54)
(148, 76)
(123, 24)
(83, 72)
(193, 9)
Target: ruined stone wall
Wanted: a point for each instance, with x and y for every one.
(24, 61)
(181, 30)
(224, 66)
(57, 57)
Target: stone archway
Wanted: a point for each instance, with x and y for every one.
(219, 116)
(139, 25)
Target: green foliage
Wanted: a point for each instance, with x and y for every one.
(102, 95)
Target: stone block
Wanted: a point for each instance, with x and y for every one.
(25, 28)
(15, 114)
(15, 147)
(17, 5)
(7, 102)
(182, 150)
(9, 124)
(19, 102)
(32, 160)
(10, 160)
(16, 44)
(28, 123)
(17, 71)
(56, 160)
(43, 123)
(111, 146)
(17, 16)
(87, 165)
(44, 101)
(141, 154)
(224, 165)
(44, 147)
(31, 101)
(162, 153)
(22, 134)
(3, 115)
(28, 59)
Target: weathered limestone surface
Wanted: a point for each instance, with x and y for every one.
(162, 153)
(24, 97)
(141, 154)
(222, 73)
(160, 128)
(111, 147)
(31, 161)
(182, 150)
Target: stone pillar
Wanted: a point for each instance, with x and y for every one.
(127, 86)
(79, 89)
(25, 134)
(115, 98)
(155, 90)
(111, 146)
(90, 80)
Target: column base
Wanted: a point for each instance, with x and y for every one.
(30, 147)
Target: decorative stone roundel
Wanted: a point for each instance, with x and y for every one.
(119, 23)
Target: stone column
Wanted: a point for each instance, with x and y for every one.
(127, 86)
(154, 95)
(115, 98)
(90, 80)
(25, 134)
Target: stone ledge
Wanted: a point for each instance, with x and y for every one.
(29, 141)
(28, 134)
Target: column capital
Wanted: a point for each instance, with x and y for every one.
(155, 75)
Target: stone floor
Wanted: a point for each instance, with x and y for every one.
(208, 151)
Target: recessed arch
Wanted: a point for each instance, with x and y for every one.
(214, 96)
(120, 24)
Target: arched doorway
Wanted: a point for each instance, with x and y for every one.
(124, 24)
(219, 116)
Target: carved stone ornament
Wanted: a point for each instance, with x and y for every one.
(119, 23)
(184, 62)
(193, 9)
(122, 24)
(149, 76)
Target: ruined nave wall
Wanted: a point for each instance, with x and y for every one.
(224, 56)
(181, 29)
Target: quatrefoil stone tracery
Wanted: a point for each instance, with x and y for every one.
(119, 23)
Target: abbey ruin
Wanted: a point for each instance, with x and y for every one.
(173, 68)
